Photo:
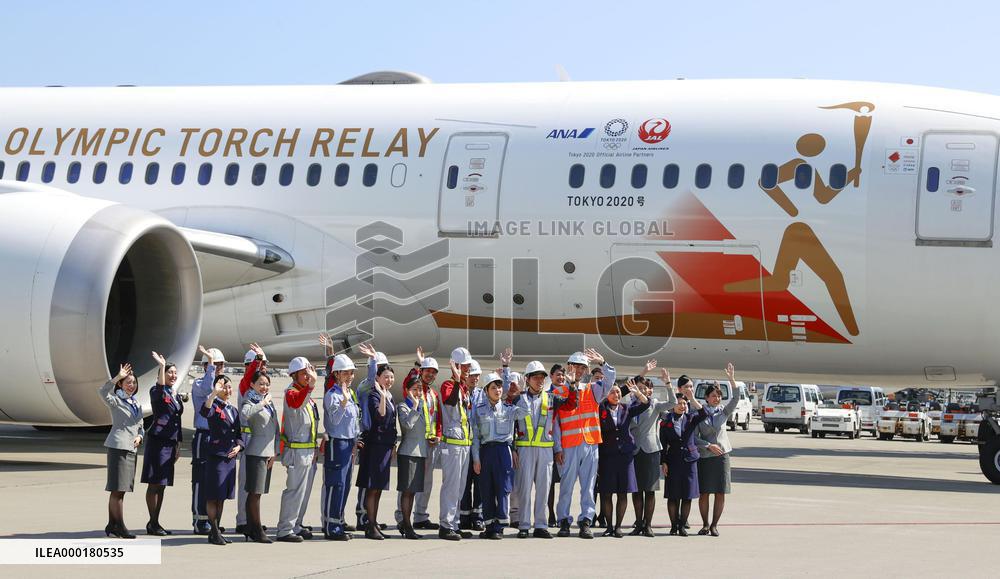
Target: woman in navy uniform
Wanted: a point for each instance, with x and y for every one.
(225, 441)
(379, 436)
(259, 415)
(617, 471)
(162, 444)
(122, 441)
(679, 459)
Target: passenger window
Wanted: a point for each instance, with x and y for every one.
(125, 174)
(736, 173)
(608, 176)
(639, 176)
(370, 175)
(341, 174)
(933, 177)
(313, 174)
(100, 172)
(671, 175)
(48, 172)
(205, 174)
(72, 172)
(398, 175)
(1, 169)
(285, 174)
(152, 173)
(703, 176)
(23, 170)
(838, 176)
(232, 174)
(452, 177)
(258, 174)
(177, 174)
(576, 175)
(769, 176)
(803, 176)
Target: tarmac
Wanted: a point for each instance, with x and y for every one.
(800, 507)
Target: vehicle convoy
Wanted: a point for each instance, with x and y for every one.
(744, 408)
(905, 419)
(868, 400)
(960, 423)
(790, 406)
(833, 418)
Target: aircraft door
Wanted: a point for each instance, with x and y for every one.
(469, 201)
(956, 201)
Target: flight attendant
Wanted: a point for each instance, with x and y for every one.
(679, 459)
(645, 430)
(253, 360)
(122, 441)
(714, 448)
(259, 416)
(364, 389)
(379, 435)
(225, 441)
(617, 447)
(424, 372)
(213, 363)
(301, 446)
(162, 444)
(418, 430)
(342, 422)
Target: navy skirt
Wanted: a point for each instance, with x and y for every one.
(373, 466)
(615, 473)
(220, 478)
(682, 479)
(158, 461)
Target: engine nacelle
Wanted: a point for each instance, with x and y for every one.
(88, 285)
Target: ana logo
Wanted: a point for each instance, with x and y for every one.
(616, 127)
(654, 130)
(569, 133)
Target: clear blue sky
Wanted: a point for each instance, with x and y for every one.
(950, 43)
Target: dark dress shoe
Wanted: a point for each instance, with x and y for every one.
(156, 531)
(124, 533)
(714, 532)
(449, 535)
(609, 532)
(617, 533)
(242, 530)
(305, 534)
(215, 537)
(682, 531)
(290, 538)
(585, 532)
(647, 532)
(637, 530)
(202, 528)
(371, 533)
(553, 523)
(478, 526)
(427, 526)
(522, 534)
(563, 529)
(409, 533)
(673, 529)
(465, 534)
(111, 530)
(541, 534)
(703, 531)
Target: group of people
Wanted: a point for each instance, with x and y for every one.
(499, 446)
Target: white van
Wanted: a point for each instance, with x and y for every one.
(744, 408)
(789, 406)
(869, 400)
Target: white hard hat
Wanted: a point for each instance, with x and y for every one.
(297, 364)
(429, 363)
(380, 359)
(250, 356)
(461, 356)
(578, 358)
(493, 377)
(534, 366)
(516, 377)
(216, 355)
(342, 362)
(474, 369)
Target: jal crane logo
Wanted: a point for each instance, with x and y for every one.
(654, 130)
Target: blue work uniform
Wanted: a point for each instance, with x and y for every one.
(492, 439)
(343, 426)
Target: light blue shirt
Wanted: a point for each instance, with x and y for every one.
(341, 422)
(200, 391)
(493, 423)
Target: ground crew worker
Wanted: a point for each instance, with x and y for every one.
(300, 448)
(471, 510)
(253, 361)
(342, 423)
(200, 391)
(579, 434)
(533, 445)
(425, 371)
(492, 457)
(457, 442)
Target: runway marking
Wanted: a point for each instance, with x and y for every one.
(362, 563)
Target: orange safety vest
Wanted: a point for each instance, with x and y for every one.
(582, 424)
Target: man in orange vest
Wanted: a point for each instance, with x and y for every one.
(577, 435)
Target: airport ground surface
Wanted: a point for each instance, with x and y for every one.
(800, 507)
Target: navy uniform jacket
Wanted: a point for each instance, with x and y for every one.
(224, 430)
(618, 438)
(681, 445)
(380, 429)
(167, 410)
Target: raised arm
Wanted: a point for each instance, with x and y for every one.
(601, 387)
(734, 391)
(162, 379)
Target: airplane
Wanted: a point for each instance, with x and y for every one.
(811, 231)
